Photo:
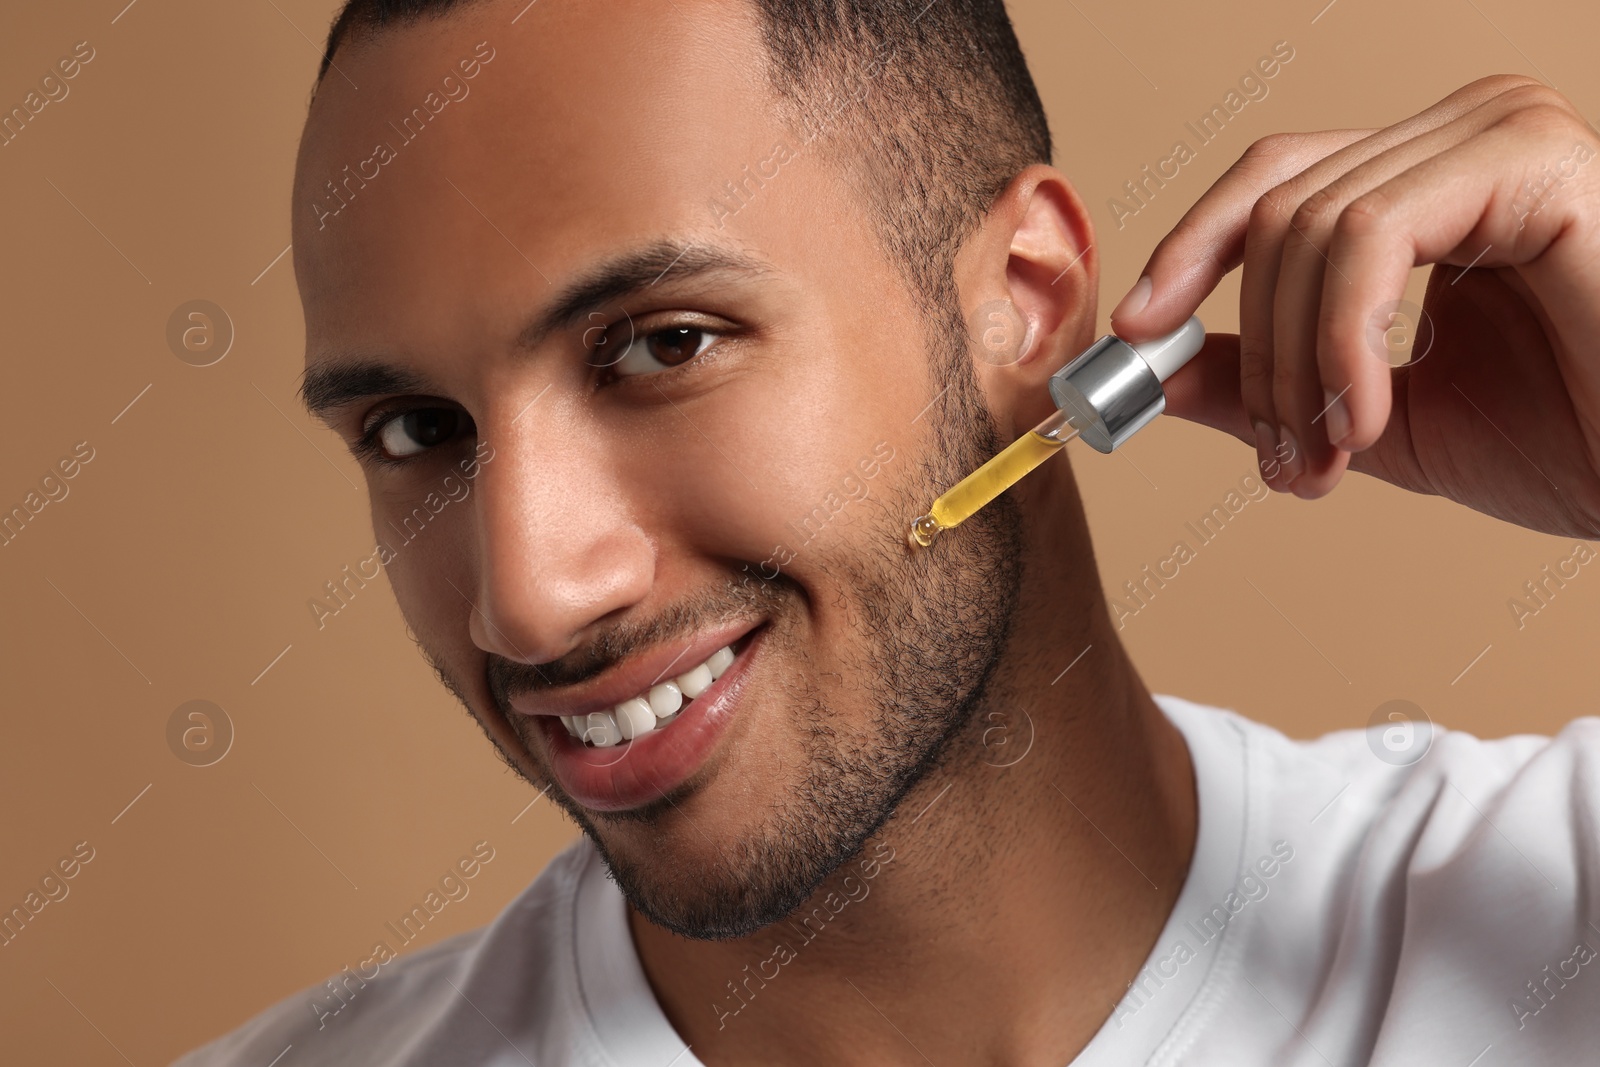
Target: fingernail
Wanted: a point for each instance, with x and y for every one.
(1136, 299)
(1292, 465)
(1266, 443)
(1336, 415)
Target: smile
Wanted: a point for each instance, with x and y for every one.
(644, 728)
(654, 709)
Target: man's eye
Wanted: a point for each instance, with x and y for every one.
(420, 429)
(661, 350)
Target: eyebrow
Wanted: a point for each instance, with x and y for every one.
(633, 272)
(331, 385)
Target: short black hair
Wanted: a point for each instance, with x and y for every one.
(926, 106)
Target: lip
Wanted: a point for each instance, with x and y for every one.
(647, 768)
(632, 678)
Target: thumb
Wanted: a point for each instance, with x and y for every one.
(1206, 389)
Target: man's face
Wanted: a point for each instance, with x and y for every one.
(721, 446)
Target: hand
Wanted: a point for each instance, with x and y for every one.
(1499, 186)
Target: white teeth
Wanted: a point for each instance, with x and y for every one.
(665, 699)
(655, 708)
(695, 682)
(602, 730)
(634, 717)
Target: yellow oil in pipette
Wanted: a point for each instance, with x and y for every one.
(968, 496)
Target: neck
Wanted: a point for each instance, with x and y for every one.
(1004, 908)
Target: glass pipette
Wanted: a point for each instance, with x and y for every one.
(1004, 469)
(1105, 395)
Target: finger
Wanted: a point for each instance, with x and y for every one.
(1262, 260)
(1458, 206)
(1314, 466)
(1206, 389)
(1286, 307)
(1278, 449)
(1209, 240)
(1283, 294)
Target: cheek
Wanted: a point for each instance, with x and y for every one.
(766, 467)
(706, 488)
(427, 564)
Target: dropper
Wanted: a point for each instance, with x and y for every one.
(1105, 395)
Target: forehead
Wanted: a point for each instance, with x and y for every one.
(443, 157)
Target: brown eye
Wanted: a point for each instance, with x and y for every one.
(662, 349)
(676, 345)
(418, 430)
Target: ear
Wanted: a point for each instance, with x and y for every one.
(1028, 280)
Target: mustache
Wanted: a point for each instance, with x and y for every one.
(508, 678)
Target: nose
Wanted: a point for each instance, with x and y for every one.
(558, 548)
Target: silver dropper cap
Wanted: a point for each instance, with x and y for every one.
(1113, 388)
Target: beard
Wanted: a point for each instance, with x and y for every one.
(933, 625)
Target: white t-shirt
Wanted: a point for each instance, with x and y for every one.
(1339, 910)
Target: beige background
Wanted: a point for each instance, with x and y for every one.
(180, 565)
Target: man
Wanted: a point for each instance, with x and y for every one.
(681, 289)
